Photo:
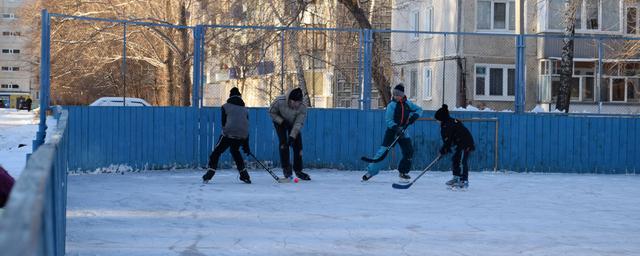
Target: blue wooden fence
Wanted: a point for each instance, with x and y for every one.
(164, 137)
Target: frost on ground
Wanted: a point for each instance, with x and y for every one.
(172, 213)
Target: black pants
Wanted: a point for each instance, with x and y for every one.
(461, 155)
(405, 147)
(223, 144)
(283, 135)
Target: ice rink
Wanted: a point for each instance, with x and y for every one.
(173, 213)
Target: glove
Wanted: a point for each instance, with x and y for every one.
(397, 129)
(291, 140)
(444, 150)
(246, 149)
(413, 119)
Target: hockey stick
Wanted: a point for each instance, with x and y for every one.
(279, 180)
(380, 158)
(406, 186)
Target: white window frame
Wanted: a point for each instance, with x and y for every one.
(610, 80)
(506, 22)
(415, 24)
(427, 78)
(487, 83)
(428, 21)
(413, 84)
(583, 22)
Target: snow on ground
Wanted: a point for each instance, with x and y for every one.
(172, 213)
(16, 127)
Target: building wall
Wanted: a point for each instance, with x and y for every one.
(417, 52)
(13, 38)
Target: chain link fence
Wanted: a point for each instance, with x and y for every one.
(94, 58)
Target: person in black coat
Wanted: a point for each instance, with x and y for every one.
(235, 135)
(454, 133)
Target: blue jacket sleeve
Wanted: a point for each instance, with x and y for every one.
(388, 116)
(414, 108)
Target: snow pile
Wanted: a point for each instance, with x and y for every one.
(114, 168)
(538, 109)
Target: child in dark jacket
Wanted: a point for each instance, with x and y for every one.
(454, 133)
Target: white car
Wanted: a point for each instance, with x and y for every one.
(119, 102)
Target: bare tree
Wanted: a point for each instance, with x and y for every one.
(566, 65)
(380, 78)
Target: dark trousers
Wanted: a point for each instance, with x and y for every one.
(405, 147)
(221, 146)
(458, 156)
(283, 135)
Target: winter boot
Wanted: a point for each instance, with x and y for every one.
(303, 176)
(463, 184)
(454, 181)
(367, 176)
(404, 178)
(244, 176)
(287, 172)
(208, 176)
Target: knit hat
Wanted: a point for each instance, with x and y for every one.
(234, 92)
(443, 113)
(398, 90)
(296, 94)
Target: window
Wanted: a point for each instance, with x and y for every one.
(413, 86)
(495, 15)
(4, 86)
(415, 22)
(427, 83)
(10, 68)
(6, 33)
(582, 84)
(632, 20)
(428, 20)
(595, 15)
(15, 86)
(8, 16)
(495, 82)
(14, 51)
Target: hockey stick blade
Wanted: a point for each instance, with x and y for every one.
(380, 158)
(375, 160)
(402, 186)
(408, 185)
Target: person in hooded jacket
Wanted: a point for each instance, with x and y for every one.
(235, 134)
(453, 132)
(400, 113)
(288, 113)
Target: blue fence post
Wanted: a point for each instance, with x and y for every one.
(197, 56)
(366, 73)
(197, 81)
(202, 65)
(281, 61)
(45, 66)
(124, 64)
(598, 93)
(520, 74)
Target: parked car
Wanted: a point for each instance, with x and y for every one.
(119, 102)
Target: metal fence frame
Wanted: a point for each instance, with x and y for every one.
(34, 219)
